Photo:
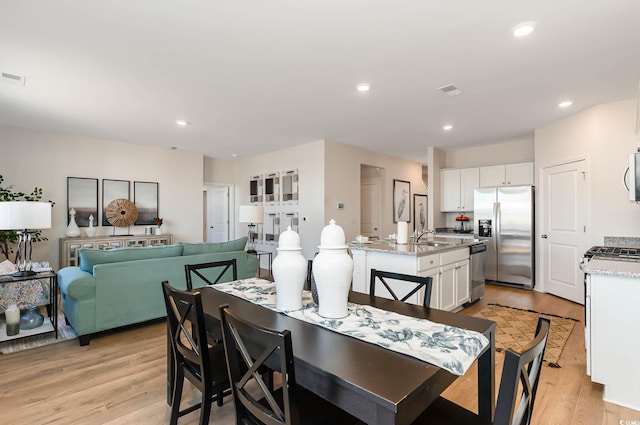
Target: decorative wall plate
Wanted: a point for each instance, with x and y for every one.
(121, 212)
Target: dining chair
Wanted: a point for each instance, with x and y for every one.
(194, 358)
(518, 387)
(248, 347)
(411, 280)
(210, 273)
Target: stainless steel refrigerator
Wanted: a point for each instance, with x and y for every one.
(504, 219)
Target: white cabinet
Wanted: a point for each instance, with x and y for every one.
(518, 174)
(454, 289)
(457, 189)
(612, 340)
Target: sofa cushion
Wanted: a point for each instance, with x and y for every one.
(91, 257)
(213, 248)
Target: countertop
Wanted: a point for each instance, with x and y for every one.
(613, 267)
(443, 244)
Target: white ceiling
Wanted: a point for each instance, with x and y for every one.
(256, 75)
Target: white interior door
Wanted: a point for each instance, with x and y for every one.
(564, 226)
(217, 214)
(370, 209)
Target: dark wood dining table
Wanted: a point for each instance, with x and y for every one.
(376, 385)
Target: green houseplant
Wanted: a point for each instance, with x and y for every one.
(8, 238)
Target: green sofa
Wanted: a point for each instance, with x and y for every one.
(122, 286)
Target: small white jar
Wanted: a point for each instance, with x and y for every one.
(289, 270)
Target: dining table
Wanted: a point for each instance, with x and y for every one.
(377, 385)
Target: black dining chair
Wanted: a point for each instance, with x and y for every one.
(518, 387)
(249, 347)
(416, 282)
(210, 273)
(201, 362)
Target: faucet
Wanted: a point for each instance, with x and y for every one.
(426, 232)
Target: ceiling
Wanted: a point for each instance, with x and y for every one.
(252, 76)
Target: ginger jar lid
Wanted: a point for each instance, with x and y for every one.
(332, 237)
(289, 240)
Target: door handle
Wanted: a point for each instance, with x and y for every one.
(544, 236)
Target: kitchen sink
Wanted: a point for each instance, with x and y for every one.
(435, 243)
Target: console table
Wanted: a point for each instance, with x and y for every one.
(69, 247)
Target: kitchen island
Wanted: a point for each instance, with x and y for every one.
(445, 260)
(612, 340)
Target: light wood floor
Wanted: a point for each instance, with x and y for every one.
(120, 378)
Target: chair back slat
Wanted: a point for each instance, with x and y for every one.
(520, 377)
(210, 273)
(418, 283)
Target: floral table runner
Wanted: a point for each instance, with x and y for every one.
(448, 347)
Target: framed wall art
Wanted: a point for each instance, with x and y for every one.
(113, 189)
(145, 196)
(401, 200)
(419, 213)
(82, 196)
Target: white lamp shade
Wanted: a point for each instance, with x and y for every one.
(21, 215)
(251, 214)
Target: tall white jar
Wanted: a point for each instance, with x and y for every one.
(333, 272)
(289, 270)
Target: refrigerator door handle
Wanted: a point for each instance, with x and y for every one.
(497, 215)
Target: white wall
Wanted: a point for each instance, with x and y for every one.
(604, 136)
(498, 153)
(32, 158)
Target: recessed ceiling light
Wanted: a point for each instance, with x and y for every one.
(234, 155)
(363, 87)
(523, 29)
(182, 123)
(447, 127)
(565, 103)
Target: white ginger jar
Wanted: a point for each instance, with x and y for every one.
(289, 270)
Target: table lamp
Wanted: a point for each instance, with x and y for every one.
(24, 217)
(254, 215)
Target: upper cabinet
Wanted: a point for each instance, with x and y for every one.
(519, 174)
(457, 189)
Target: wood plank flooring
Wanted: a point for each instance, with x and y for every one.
(120, 378)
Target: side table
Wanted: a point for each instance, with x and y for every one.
(269, 255)
(50, 325)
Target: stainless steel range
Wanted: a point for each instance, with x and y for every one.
(613, 253)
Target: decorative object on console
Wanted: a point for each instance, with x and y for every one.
(31, 319)
(25, 217)
(72, 231)
(254, 215)
(158, 222)
(90, 231)
(401, 200)
(121, 213)
(289, 271)
(333, 271)
(12, 314)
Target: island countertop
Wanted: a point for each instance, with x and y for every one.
(613, 267)
(436, 246)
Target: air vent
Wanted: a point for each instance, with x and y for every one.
(450, 90)
(13, 79)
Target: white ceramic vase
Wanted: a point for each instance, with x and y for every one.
(73, 231)
(289, 270)
(333, 272)
(90, 231)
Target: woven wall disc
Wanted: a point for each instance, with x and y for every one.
(121, 212)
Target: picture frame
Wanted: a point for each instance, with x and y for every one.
(401, 200)
(145, 196)
(420, 215)
(113, 189)
(82, 196)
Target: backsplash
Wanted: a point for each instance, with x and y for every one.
(621, 241)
